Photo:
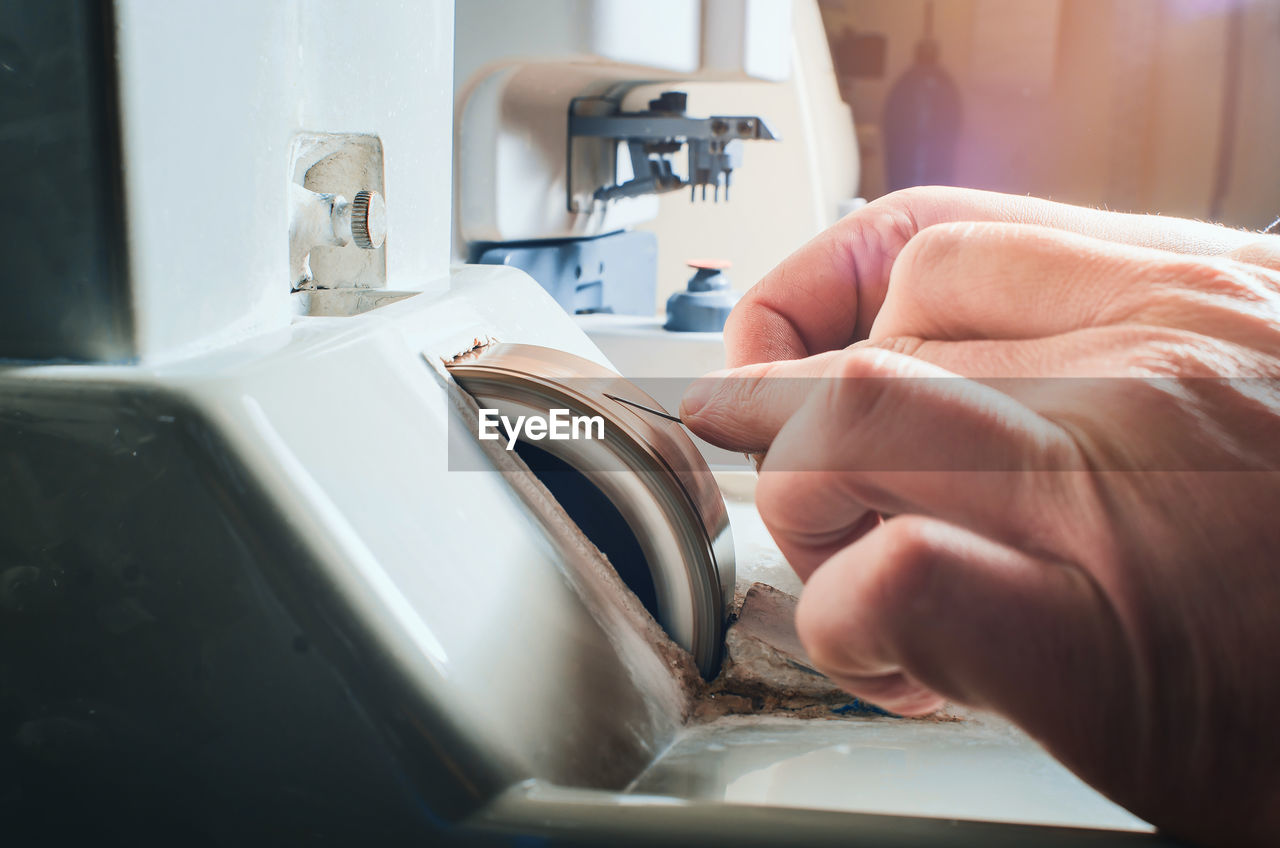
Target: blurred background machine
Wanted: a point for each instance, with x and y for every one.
(258, 578)
(1135, 105)
(531, 182)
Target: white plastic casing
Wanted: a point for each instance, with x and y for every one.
(207, 149)
(518, 66)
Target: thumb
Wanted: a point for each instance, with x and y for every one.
(953, 613)
(742, 409)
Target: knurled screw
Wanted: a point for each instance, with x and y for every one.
(368, 220)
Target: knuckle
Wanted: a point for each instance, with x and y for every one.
(881, 229)
(1209, 297)
(730, 412)
(857, 387)
(933, 245)
(855, 364)
(1208, 276)
(734, 391)
(1186, 283)
(909, 202)
(904, 345)
(1263, 253)
(1175, 353)
(909, 197)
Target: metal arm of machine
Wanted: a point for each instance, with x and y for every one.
(653, 136)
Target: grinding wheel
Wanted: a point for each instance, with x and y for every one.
(647, 467)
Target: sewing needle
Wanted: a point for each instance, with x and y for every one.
(650, 410)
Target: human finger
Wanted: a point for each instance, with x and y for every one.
(827, 294)
(886, 433)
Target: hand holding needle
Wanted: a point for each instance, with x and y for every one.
(756, 458)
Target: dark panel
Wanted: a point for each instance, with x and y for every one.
(171, 670)
(62, 275)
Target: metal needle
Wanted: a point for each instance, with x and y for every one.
(650, 410)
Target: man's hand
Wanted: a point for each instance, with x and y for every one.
(1086, 533)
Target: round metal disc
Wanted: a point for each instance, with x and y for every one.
(647, 466)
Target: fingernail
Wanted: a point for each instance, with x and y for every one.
(700, 392)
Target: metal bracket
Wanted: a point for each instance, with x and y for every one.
(653, 136)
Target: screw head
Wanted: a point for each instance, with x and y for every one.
(368, 220)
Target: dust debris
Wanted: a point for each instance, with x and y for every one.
(766, 669)
(478, 346)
